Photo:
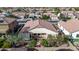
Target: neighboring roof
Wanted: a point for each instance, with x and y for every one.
(18, 13)
(7, 20)
(67, 11)
(71, 25)
(48, 14)
(54, 17)
(3, 30)
(38, 24)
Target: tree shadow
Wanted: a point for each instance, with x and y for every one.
(64, 50)
(31, 49)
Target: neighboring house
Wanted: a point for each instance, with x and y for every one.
(34, 16)
(37, 29)
(53, 19)
(68, 14)
(47, 13)
(23, 21)
(76, 14)
(70, 28)
(2, 15)
(19, 14)
(7, 25)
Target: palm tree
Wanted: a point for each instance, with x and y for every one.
(14, 39)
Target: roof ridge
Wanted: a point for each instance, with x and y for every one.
(34, 27)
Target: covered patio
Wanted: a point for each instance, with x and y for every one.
(38, 35)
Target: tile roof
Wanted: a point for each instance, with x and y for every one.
(8, 20)
(18, 13)
(38, 24)
(71, 25)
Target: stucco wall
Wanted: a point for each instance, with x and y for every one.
(43, 30)
(4, 26)
(26, 36)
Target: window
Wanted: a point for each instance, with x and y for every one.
(43, 33)
(39, 34)
(34, 34)
(77, 35)
(1, 21)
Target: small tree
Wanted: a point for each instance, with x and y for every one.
(44, 42)
(45, 17)
(66, 38)
(52, 40)
(57, 10)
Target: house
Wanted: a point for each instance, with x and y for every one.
(70, 28)
(53, 19)
(6, 13)
(76, 14)
(68, 14)
(37, 29)
(23, 21)
(34, 15)
(19, 14)
(7, 25)
(2, 15)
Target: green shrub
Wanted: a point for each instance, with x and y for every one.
(1, 42)
(6, 44)
(44, 42)
(32, 43)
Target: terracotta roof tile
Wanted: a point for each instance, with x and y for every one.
(8, 20)
(71, 25)
(38, 24)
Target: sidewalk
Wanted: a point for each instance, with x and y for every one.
(72, 46)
